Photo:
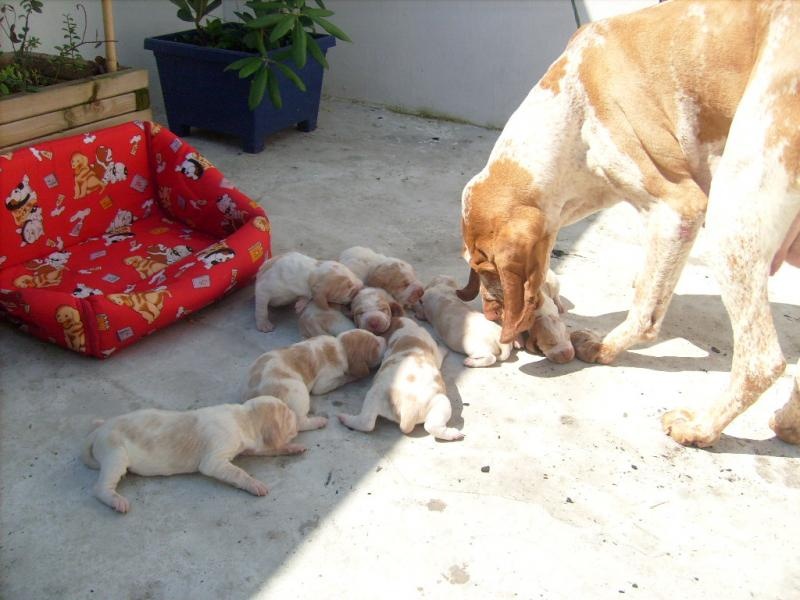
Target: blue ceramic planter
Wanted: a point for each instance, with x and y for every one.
(198, 92)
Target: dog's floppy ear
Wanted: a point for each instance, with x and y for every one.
(320, 287)
(357, 347)
(397, 310)
(522, 257)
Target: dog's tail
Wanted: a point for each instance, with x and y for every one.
(87, 456)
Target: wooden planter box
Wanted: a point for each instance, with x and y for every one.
(73, 107)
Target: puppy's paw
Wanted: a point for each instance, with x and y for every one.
(450, 434)
(265, 326)
(120, 504)
(683, 427)
(480, 361)
(257, 488)
(294, 448)
(301, 304)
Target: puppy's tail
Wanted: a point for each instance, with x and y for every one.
(87, 456)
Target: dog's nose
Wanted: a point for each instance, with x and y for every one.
(375, 325)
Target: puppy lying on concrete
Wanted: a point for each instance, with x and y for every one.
(408, 388)
(314, 320)
(373, 309)
(460, 327)
(166, 442)
(315, 366)
(391, 274)
(292, 276)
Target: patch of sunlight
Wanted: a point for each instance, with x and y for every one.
(674, 348)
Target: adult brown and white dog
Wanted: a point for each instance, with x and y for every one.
(169, 442)
(294, 276)
(315, 366)
(689, 111)
(394, 275)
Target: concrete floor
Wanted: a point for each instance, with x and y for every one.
(565, 486)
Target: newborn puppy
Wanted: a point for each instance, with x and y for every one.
(392, 274)
(314, 320)
(292, 276)
(167, 442)
(408, 388)
(373, 309)
(462, 329)
(548, 335)
(314, 366)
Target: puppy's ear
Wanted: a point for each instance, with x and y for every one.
(355, 348)
(320, 288)
(397, 310)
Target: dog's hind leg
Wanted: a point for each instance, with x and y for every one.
(755, 196)
(113, 466)
(437, 418)
(365, 421)
(222, 469)
(786, 421)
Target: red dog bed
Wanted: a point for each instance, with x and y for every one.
(109, 236)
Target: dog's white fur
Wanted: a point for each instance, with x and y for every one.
(408, 388)
(700, 132)
(314, 320)
(373, 309)
(292, 276)
(315, 366)
(394, 275)
(460, 327)
(164, 442)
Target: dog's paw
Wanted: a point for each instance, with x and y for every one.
(682, 426)
(294, 448)
(450, 434)
(257, 488)
(587, 345)
(786, 429)
(265, 327)
(120, 504)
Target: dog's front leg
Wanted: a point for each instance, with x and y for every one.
(670, 237)
(221, 468)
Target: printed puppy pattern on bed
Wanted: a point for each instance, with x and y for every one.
(106, 237)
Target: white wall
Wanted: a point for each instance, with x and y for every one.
(473, 60)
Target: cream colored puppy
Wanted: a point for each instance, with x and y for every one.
(294, 276)
(391, 274)
(314, 320)
(548, 335)
(373, 309)
(408, 388)
(167, 442)
(315, 366)
(460, 327)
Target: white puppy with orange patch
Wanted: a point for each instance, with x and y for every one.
(373, 309)
(408, 388)
(391, 274)
(314, 320)
(294, 276)
(166, 442)
(315, 366)
(460, 327)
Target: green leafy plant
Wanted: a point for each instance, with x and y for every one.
(29, 71)
(288, 26)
